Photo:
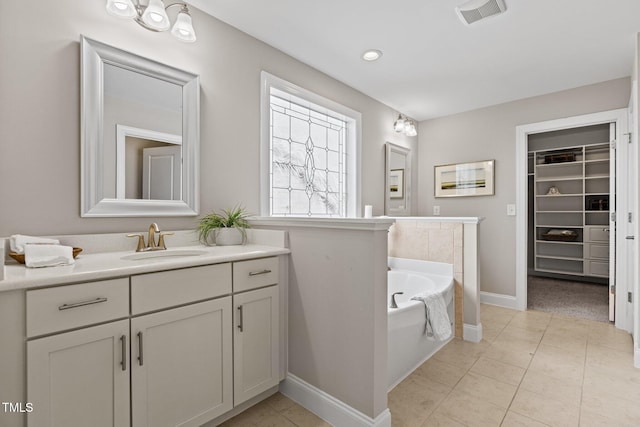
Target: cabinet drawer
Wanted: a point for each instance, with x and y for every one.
(597, 268)
(597, 234)
(255, 273)
(155, 291)
(599, 251)
(66, 307)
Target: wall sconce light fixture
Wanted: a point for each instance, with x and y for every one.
(154, 17)
(405, 125)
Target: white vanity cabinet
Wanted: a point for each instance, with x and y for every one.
(169, 348)
(256, 327)
(181, 373)
(79, 378)
(182, 364)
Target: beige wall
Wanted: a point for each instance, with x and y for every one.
(489, 133)
(338, 311)
(40, 113)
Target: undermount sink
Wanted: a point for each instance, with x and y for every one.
(170, 253)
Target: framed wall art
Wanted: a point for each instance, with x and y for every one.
(396, 183)
(465, 179)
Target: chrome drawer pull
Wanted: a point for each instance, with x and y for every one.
(81, 304)
(123, 340)
(257, 273)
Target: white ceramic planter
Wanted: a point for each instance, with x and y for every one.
(228, 237)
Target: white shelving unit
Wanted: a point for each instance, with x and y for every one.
(580, 206)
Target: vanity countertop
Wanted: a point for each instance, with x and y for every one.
(109, 265)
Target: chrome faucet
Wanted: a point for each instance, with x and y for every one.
(151, 240)
(393, 299)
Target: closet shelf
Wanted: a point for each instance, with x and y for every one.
(561, 178)
(559, 164)
(561, 211)
(559, 242)
(555, 196)
(558, 226)
(565, 258)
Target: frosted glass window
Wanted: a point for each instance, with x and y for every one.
(308, 159)
(309, 153)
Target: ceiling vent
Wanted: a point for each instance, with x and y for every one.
(475, 10)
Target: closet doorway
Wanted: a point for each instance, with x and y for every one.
(571, 196)
(566, 238)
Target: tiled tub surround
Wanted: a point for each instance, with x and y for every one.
(448, 240)
(101, 263)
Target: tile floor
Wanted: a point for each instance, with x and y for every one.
(276, 411)
(531, 369)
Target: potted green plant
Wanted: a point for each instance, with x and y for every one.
(229, 227)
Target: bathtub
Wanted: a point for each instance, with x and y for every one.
(408, 347)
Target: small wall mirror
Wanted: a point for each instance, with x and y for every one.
(397, 180)
(140, 135)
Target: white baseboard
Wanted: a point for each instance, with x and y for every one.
(472, 333)
(506, 301)
(636, 357)
(327, 407)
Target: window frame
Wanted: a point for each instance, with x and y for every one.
(353, 143)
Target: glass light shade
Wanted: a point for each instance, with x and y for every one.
(121, 8)
(398, 126)
(407, 126)
(183, 28)
(155, 16)
(412, 130)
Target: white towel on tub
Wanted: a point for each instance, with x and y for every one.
(437, 326)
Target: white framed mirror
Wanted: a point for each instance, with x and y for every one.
(140, 136)
(397, 193)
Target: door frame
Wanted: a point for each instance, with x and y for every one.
(619, 117)
(634, 127)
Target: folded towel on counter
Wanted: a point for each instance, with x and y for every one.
(437, 326)
(18, 241)
(39, 255)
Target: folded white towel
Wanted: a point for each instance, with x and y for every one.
(38, 255)
(18, 241)
(437, 325)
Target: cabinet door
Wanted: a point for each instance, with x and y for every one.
(181, 365)
(255, 342)
(80, 378)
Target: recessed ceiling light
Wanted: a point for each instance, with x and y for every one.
(371, 55)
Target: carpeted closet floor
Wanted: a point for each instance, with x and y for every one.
(574, 299)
